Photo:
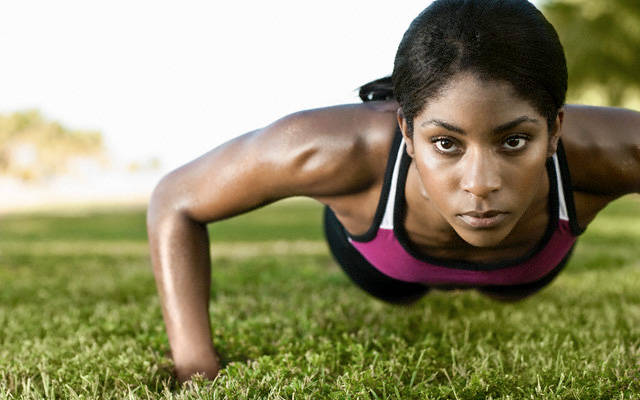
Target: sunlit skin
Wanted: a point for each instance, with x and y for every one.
(478, 171)
(473, 192)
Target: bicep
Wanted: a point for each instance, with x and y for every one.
(296, 156)
(215, 185)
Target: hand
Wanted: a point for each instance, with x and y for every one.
(205, 367)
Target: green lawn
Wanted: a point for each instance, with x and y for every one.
(79, 318)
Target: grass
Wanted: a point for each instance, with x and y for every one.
(79, 318)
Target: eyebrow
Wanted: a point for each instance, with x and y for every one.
(499, 129)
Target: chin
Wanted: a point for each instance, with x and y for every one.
(484, 239)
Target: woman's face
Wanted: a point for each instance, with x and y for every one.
(480, 152)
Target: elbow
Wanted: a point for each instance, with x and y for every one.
(164, 204)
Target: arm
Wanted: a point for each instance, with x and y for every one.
(179, 249)
(603, 151)
(317, 154)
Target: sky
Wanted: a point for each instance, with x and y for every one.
(172, 79)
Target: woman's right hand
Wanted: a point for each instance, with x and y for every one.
(206, 366)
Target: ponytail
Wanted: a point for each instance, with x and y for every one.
(378, 90)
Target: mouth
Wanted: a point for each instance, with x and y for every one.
(483, 219)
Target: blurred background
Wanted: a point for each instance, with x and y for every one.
(99, 99)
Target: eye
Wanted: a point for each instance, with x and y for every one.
(515, 143)
(444, 145)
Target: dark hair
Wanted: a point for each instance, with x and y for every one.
(504, 40)
(380, 89)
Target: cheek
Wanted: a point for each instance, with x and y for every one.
(431, 166)
(526, 174)
(438, 187)
(439, 179)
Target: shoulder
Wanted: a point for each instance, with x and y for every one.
(330, 151)
(602, 145)
(603, 149)
(332, 154)
(367, 122)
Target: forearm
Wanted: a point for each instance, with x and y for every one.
(179, 250)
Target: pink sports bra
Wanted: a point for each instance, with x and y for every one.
(386, 247)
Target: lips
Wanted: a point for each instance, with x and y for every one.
(483, 219)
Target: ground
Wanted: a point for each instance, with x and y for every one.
(80, 318)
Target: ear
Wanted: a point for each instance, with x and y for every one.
(408, 138)
(554, 135)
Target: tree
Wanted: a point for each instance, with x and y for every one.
(602, 43)
(33, 148)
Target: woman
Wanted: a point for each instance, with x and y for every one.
(452, 174)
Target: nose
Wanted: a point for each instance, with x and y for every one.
(480, 174)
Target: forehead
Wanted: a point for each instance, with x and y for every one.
(469, 98)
